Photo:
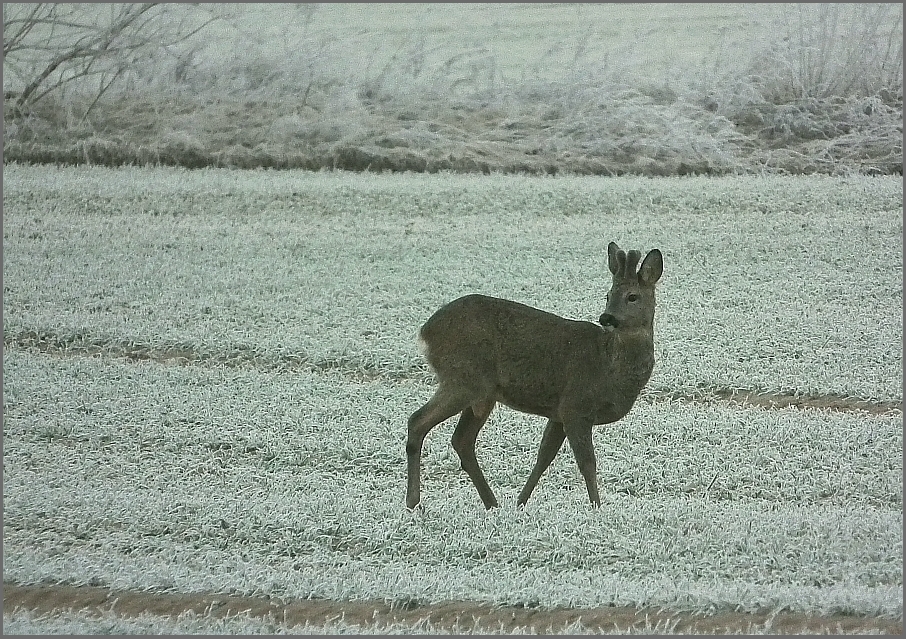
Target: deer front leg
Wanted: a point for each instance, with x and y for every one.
(578, 433)
(551, 442)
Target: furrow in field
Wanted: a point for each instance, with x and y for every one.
(80, 345)
(763, 399)
(453, 615)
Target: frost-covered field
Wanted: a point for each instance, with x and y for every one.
(787, 284)
(258, 448)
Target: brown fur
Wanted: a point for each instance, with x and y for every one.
(486, 350)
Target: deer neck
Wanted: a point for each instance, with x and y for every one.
(631, 355)
(632, 338)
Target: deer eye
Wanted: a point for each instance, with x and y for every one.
(632, 297)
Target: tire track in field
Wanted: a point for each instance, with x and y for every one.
(454, 616)
(763, 399)
(80, 345)
(238, 356)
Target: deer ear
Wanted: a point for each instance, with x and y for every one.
(612, 262)
(652, 267)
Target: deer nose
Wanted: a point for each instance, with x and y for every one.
(608, 321)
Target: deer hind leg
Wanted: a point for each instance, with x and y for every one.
(440, 407)
(471, 421)
(551, 442)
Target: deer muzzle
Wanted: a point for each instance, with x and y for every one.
(608, 321)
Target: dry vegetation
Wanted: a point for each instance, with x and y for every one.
(801, 89)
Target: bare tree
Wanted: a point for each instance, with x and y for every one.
(47, 46)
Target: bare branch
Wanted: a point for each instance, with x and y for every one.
(16, 30)
(51, 45)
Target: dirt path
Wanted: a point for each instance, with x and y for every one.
(47, 598)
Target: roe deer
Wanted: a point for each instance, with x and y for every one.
(486, 350)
